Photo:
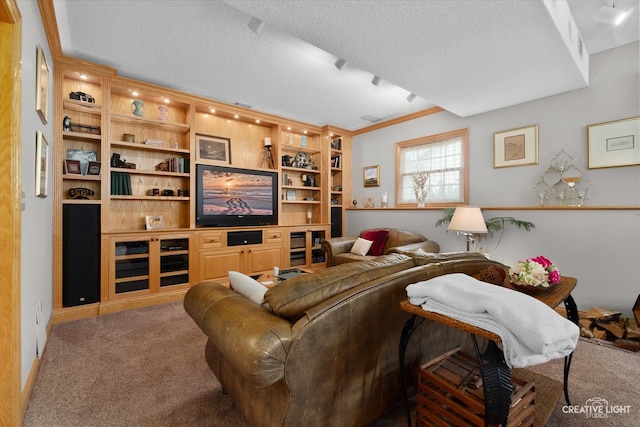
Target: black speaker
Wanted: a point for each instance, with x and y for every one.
(80, 254)
(336, 221)
(238, 238)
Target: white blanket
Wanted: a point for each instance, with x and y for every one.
(531, 331)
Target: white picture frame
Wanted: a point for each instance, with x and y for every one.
(42, 165)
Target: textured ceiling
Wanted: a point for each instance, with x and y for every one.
(466, 56)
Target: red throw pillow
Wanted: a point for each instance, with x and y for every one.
(378, 237)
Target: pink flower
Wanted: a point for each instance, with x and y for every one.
(544, 262)
(538, 272)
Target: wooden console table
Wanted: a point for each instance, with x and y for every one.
(496, 374)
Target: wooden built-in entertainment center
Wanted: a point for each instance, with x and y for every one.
(153, 174)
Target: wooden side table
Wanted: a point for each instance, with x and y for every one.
(496, 375)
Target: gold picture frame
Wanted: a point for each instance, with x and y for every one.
(154, 222)
(214, 150)
(515, 147)
(42, 85)
(614, 144)
(42, 165)
(371, 176)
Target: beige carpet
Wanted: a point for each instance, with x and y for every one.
(146, 367)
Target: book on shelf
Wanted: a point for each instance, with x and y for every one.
(336, 161)
(154, 142)
(178, 164)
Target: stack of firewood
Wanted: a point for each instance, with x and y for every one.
(608, 325)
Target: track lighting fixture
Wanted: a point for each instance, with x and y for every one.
(411, 97)
(256, 24)
(376, 80)
(340, 63)
(611, 15)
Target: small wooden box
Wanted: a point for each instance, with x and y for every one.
(448, 394)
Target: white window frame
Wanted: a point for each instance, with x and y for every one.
(445, 157)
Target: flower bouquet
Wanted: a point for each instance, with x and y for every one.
(534, 275)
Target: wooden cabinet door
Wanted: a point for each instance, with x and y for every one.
(262, 259)
(215, 264)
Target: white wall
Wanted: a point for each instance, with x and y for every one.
(601, 248)
(37, 215)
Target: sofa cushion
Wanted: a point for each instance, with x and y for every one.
(361, 246)
(292, 297)
(378, 237)
(248, 287)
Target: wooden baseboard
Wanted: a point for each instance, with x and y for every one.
(90, 310)
(143, 301)
(33, 374)
(75, 313)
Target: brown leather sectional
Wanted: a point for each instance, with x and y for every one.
(327, 352)
(337, 249)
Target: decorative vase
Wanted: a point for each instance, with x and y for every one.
(137, 107)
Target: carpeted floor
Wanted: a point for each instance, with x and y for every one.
(146, 367)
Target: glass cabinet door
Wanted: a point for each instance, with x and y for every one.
(174, 262)
(131, 266)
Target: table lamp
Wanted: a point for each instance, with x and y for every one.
(468, 220)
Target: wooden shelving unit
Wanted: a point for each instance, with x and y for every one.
(307, 185)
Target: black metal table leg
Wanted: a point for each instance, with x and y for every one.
(572, 314)
(407, 331)
(496, 383)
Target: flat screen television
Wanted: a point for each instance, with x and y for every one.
(233, 197)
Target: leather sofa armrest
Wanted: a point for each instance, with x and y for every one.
(428, 246)
(253, 339)
(337, 245)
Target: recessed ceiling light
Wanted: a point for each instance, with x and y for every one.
(212, 110)
(235, 116)
(134, 93)
(83, 77)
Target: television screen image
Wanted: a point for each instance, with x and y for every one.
(230, 196)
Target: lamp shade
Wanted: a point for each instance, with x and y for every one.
(468, 219)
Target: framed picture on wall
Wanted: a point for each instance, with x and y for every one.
(42, 162)
(371, 176)
(612, 144)
(515, 147)
(42, 85)
(214, 150)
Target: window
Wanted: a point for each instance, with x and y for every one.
(444, 158)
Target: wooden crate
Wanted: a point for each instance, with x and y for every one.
(449, 396)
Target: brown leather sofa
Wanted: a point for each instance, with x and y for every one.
(327, 353)
(337, 249)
